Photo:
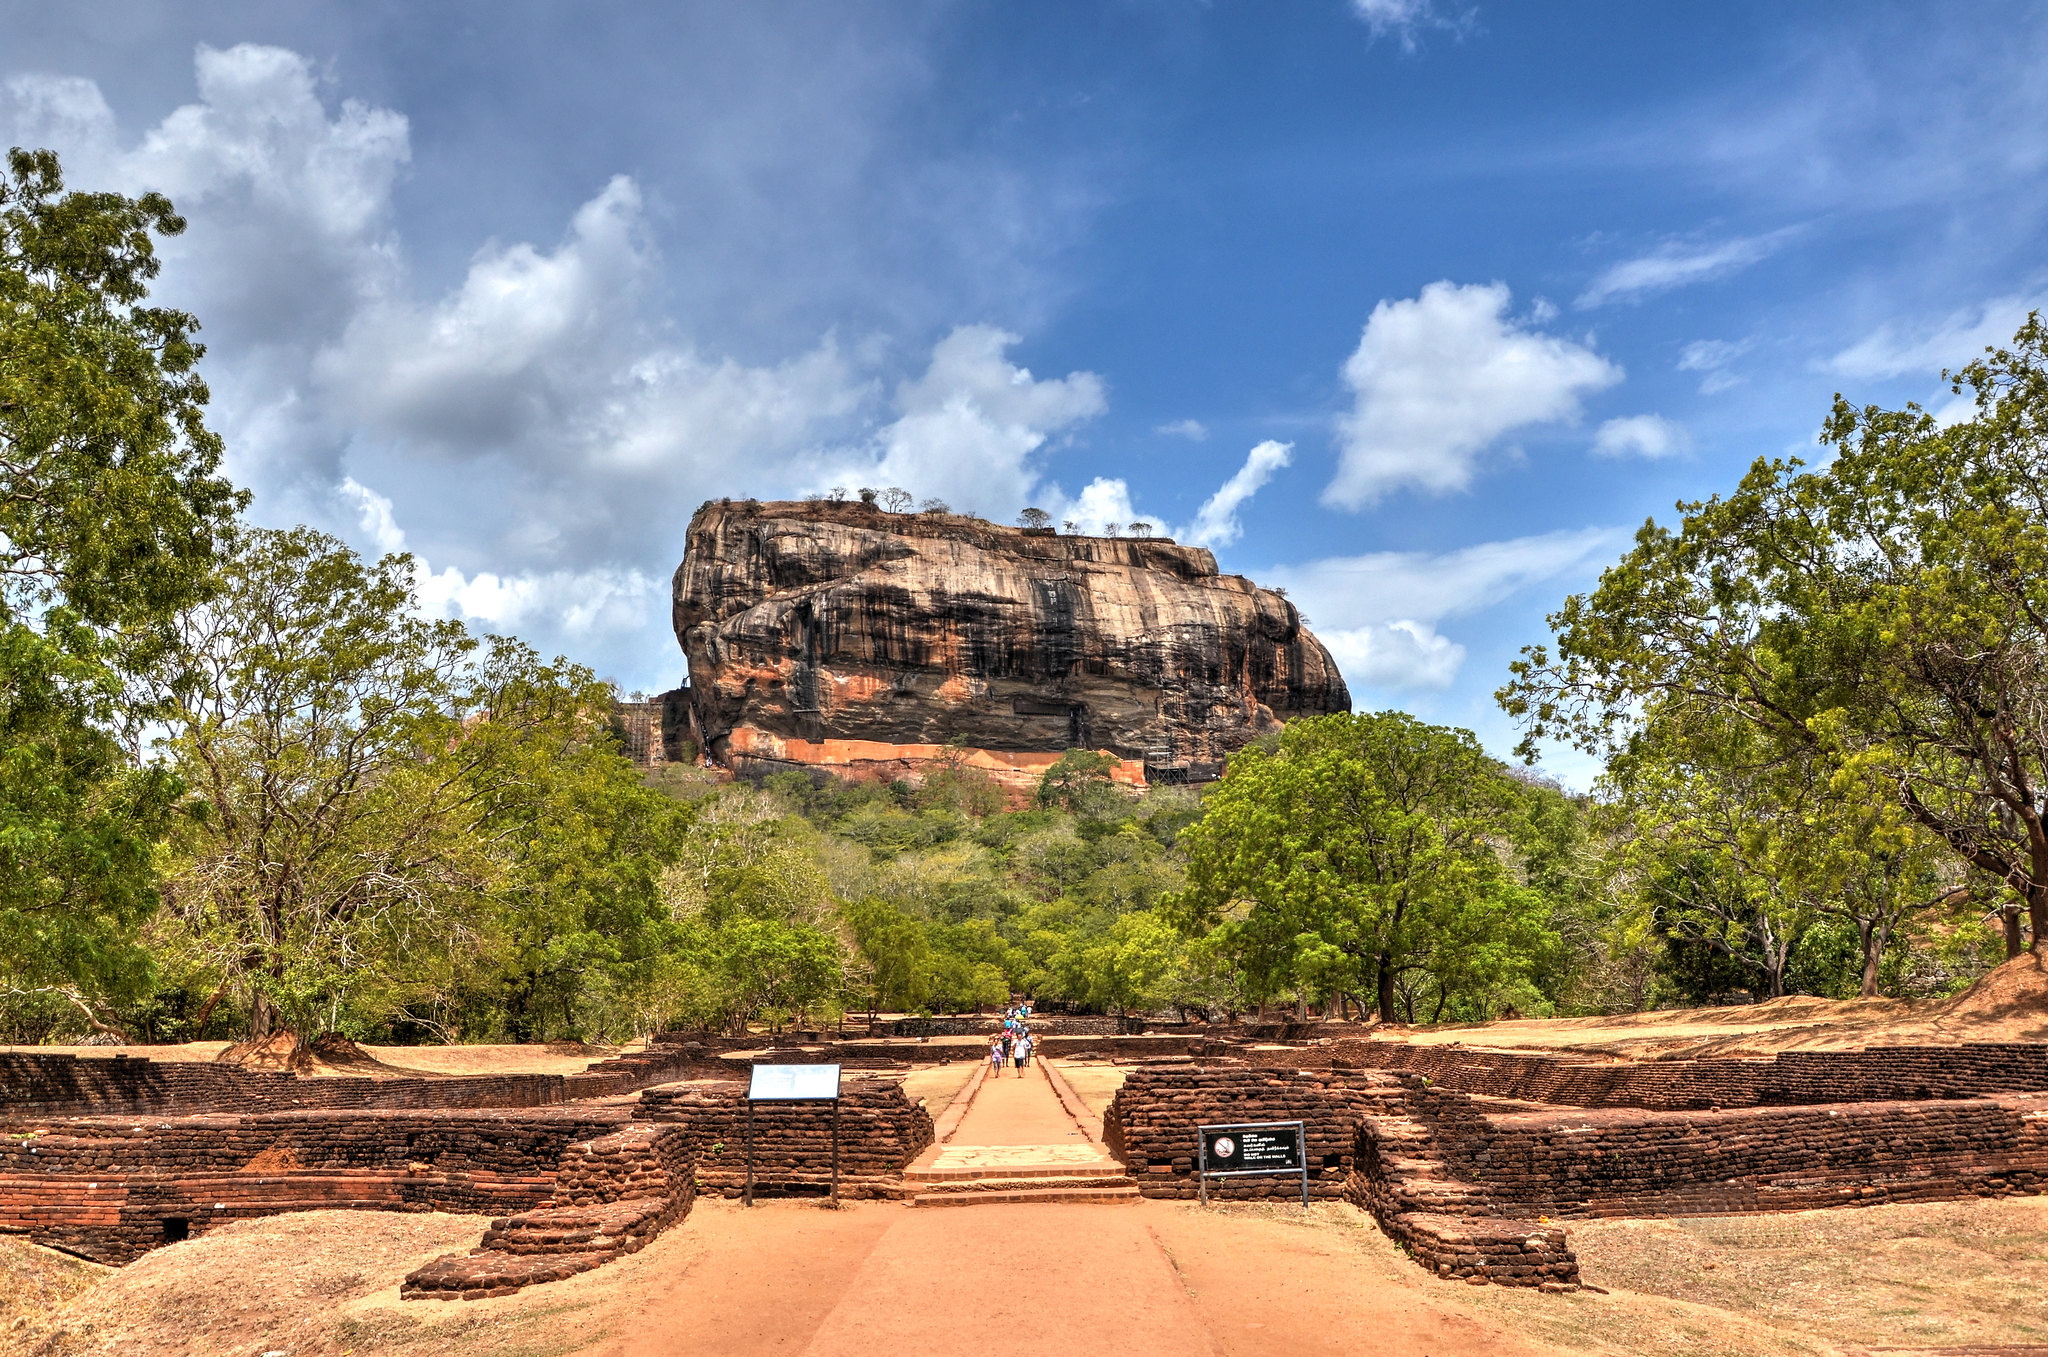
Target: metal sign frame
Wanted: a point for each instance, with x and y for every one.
(790, 1073)
(1203, 1173)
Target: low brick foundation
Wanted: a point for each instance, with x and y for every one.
(1788, 1079)
(112, 1189)
(612, 1196)
(880, 1131)
(1150, 1124)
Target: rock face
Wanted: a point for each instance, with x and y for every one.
(836, 634)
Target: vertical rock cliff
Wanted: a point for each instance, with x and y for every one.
(836, 634)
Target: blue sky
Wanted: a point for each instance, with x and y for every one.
(1415, 308)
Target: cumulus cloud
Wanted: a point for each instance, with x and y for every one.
(1712, 357)
(1216, 522)
(968, 430)
(542, 430)
(1924, 350)
(1406, 20)
(1439, 378)
(1676, 265)
(1191, 429)
(584, 604)
(1651, 436)
(1379, 612)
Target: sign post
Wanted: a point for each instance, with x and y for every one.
(1249, 1149)
(793, 1084)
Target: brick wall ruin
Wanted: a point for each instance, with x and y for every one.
(35, 1086)
(880, 1132)
(1460, 1179)
(1791, 1078)
(612, 1196)
(111, 1189)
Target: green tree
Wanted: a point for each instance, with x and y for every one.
(756, 918)
(111, 513)
(317, 724)
(1137, 966)
(1077, 779)
(1334, 854)
(579, 843)
(1883, 615)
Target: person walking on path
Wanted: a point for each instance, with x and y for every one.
(995, 1055)
(1022, 1050)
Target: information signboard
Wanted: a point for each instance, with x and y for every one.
(792, 1083)
(1251, 1148)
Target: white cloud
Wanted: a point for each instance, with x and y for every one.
(969, 429)
(1401, 656)
(374, 515)
(583, 603)
(1379, 612)
(1216, 521)
(1405, 20)
(1958, 338)
(1103, 503)
(1651, 436)
(1441, 377)
(542, 429)
(1677, 265)
(1712, 357)
(1191, 429)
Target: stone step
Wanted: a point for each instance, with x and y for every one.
(1067, 1170)
(1022, 1184)
(1028, 1192)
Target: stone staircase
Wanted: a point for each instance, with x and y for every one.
(980, 1175)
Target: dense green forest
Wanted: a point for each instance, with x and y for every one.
(247, 787)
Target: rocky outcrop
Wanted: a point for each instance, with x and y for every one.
(837, 634)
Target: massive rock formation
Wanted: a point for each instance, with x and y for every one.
(836, 634)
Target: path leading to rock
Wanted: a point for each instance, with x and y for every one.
(1141, 1279)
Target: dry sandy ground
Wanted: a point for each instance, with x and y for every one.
(1154, 1278)
(2009, 1004)
(1095, 1082)
(939, 1085)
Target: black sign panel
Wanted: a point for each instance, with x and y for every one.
(1252, 1149)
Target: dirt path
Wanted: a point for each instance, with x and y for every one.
(1013, 1111)
(1149, 1279)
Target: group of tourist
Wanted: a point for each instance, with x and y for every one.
(1013, 1043)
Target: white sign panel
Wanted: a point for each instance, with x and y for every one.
(781, 1083)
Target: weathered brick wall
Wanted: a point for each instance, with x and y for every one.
(36, 1085)
(106, 1189)
(1363, 1146)
(56, 1084)
(640, 1160)
(658, 1064)
(613, 1195)
(880, 1131)
(1792, 1078)
(1150, 1124)
(1647, 1163)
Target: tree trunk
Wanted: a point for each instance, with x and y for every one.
(206, 1011)
(1386, 988)
(1301, 1005)
(1873, 940)
(259, 1016)
(2037, 915)
(2010, 917)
